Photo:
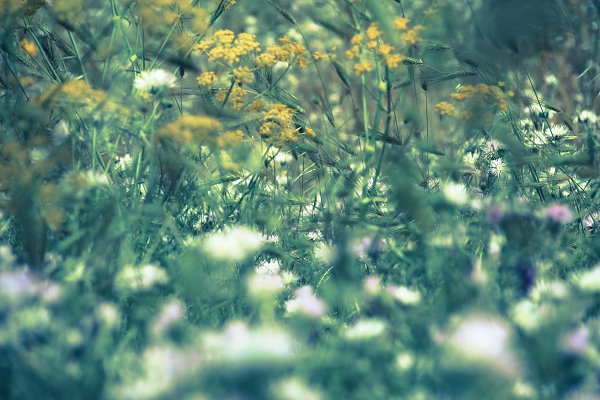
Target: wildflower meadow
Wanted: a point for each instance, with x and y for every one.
(299, 199)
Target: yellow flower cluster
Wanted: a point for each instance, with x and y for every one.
(206, 78)
(372, 40)
(277, 125)
(235, 99)
(73, 91)
(243, 75)
(409, 35)
(190, 129)
(445, 108)
(489, 93)
(29, 47)
(226, 46)
(286, 51)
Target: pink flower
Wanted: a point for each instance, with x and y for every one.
(305, 302)
(559, 213)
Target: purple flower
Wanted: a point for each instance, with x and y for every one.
(559, 213)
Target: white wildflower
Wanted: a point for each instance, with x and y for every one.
(294, 389)
(365, 329)
(269, 267)
(306, 303)
(140, 278)
(264, 285)
(497, 167)
(587, 116)
(405, 360)
(154, 80)
(455, 193)
(404, 295)
(588, 281)
(484, 339)
(233, 244)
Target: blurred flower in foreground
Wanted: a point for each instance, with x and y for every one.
(241, 346)
(154, 80)
(21, 285)
(365, 329)
(305, 302)
(480, 338)
(171, 313)
(559, 213)
(140, 278)
(455, 193)
(294, 389)
(588, 281)
(264, 285)
(404, 295)
(233, 244)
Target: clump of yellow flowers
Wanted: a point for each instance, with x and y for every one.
(277, 125)
(372, 42)
(492, 96)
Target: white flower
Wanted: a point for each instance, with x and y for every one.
(529, 315)
(588, 116)
(470, 159)
(294, 389)
(324, 253)
(365, 329)
(171, 312)
(497, 167)
(404, 295)
(264, 285)
(154, 80)
(455, 193)
(240, 346)
(140, 278)
(269, 267)
(484, 339)
(305, 302)
(588, 281)
(233, 244)
(405, 361)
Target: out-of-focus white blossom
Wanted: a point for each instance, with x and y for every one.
(264, 285)
(306, 303)
(484, 339)
(234, 244)
(455, 193)
(404, 295)
(154, 80)
(294, 389)
(171, 313)
(588, 281)
(365, 329)
(240, 346)
(139, 278)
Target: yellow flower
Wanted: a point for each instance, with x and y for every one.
(411, 36)
(445, 108)
(243, 75)
(373, 31)
(362, 67)
(401, 23)
(206, 78)
(190, 129)
(393, 60)
(29, 47)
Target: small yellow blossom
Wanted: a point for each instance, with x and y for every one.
(401, 23)
(190, 129)
(362, 67)
(411, 36)
(29, 47)
(393, 60)
(373, 32)
(243, 75)
(445, 108)
(206, 78)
